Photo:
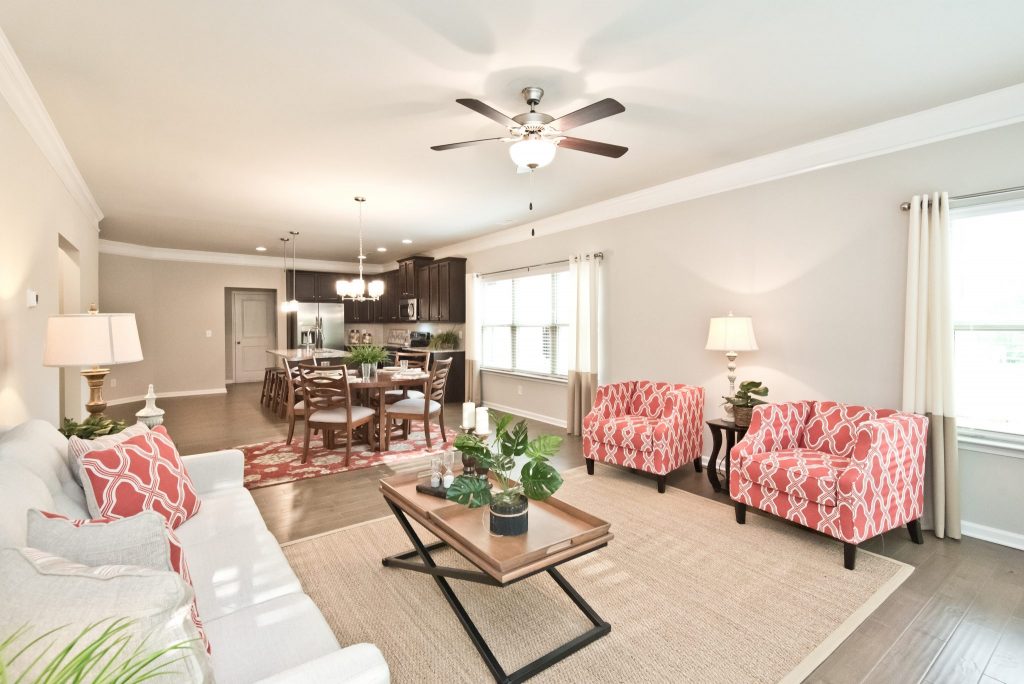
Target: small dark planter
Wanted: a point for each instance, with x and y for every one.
(510, 519)
(741, 415)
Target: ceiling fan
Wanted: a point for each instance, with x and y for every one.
(536, 135)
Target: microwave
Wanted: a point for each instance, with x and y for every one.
(407, 309)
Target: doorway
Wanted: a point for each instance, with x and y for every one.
(252, 331)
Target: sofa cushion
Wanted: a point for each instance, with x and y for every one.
(48, 592)
(238, 570)
(78, 447)
(144, 473)
(832, 427)
(223, 512)
(807, 474)
(38, 448)
(264, 639)
(637, 432)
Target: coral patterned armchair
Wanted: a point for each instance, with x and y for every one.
(850, 472)
(650, 426)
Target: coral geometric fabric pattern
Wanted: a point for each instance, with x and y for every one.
(850, 472)
(144, 473)
(655, 427)
(176, 560)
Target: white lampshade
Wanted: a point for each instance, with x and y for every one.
(532, 153)
(731, 334)
(92, 340)
(376, 288)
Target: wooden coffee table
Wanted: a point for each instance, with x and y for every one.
(558, 533)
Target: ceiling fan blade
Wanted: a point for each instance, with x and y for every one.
(599, 110)
(467, 143)
(593, 147)
(487, 110)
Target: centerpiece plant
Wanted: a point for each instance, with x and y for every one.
(745, 399)
(368, 357)
(509, 500)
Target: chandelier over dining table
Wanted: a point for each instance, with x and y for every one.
(357, 289)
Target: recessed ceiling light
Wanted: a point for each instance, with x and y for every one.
(382, 249)
(406, 241)
(261, 248)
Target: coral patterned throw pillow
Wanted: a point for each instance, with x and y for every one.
(144, 473)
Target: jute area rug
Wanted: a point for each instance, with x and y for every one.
(691, 596)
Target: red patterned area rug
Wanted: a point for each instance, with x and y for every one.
(271, 463)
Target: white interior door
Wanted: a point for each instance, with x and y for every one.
(254, 327)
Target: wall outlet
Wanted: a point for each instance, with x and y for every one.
(519, 390)
(209, 333)
(113, 383)
(31, 299)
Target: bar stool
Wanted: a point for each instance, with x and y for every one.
(268, 385)
(273, 381)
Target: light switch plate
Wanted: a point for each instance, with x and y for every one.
(209, 333)
(31, 299)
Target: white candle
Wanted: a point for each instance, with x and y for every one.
(467, 415)
(483, 421)
(448, 479)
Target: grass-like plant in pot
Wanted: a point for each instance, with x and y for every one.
(745, 399)
(510, 499)
(368, 357)
(446, 339)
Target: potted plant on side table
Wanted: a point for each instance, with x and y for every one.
(745, 399)
(509, 514)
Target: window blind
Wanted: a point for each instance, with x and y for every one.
(525, 326)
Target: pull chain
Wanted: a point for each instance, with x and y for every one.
(532, 171)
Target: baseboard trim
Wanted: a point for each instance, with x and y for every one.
(539, 417)
(169, 395)
(1014, 540)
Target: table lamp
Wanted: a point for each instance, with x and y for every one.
(93, 339)
(731, 334)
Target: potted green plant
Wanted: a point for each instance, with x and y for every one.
(509, 512)
(368, 357)
(92, 427)
(446, 339)
(745, 399)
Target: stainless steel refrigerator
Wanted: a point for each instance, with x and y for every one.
(323, 324)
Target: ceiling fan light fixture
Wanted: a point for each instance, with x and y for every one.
(533, 153)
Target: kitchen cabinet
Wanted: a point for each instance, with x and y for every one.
(305, 286)
(388, 312)
(408, 275)
(327, 287)
(311, 286)
(455, 387)
(441, 291)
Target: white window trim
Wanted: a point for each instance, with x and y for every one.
(991, 442)
(555, 379)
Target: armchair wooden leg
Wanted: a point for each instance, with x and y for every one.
(741, 513)
(662, 479)
(697, 465)
(914, 527)
(590, 466)
(849, 555)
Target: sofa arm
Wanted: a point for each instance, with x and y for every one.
(684, 409)
(888, 451)
(358, 664)
(215, 470)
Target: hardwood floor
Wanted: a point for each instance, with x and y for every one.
(958, 618)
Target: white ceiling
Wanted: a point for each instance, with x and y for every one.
(221, 125)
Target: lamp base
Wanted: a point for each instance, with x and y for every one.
(95, 377)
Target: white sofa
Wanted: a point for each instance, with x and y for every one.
(261, 626)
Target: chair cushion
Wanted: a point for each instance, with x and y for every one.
(409, 406)
(637, 432)
(413, 394)
(832, 427)
(340, 415)
(803, 473)
(144, 473)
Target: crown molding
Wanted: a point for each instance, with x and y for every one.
(21, 95)
(972, 115)
(128, 249)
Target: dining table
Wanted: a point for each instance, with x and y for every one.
(378, 385)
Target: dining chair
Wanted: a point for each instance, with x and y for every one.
(416, 359)
(328, 406)
(295, 404)
(424, 408)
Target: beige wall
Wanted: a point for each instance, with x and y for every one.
(175, 303)
(35, 210)
(818, 261)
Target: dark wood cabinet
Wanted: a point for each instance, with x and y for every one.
(392, 296)
(408, 277)
(455, 387)
(305, 286)
(433, 298)
(327, 287)
(442, 291)
(423, 293)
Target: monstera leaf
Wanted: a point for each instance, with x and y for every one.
(514, 441)
(469, 491)
(544, 447)
(540, 480)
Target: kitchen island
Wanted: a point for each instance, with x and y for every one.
(300, 355)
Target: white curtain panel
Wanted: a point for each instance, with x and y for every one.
(584, 278)
(474, 299)
(928, 357)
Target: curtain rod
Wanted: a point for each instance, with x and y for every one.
(906, 205)
(597, 255)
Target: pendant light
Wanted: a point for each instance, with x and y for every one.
(357, 289)
(293, 303)
(288, 306)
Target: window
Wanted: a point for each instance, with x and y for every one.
(988, 315)
(526, 324)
